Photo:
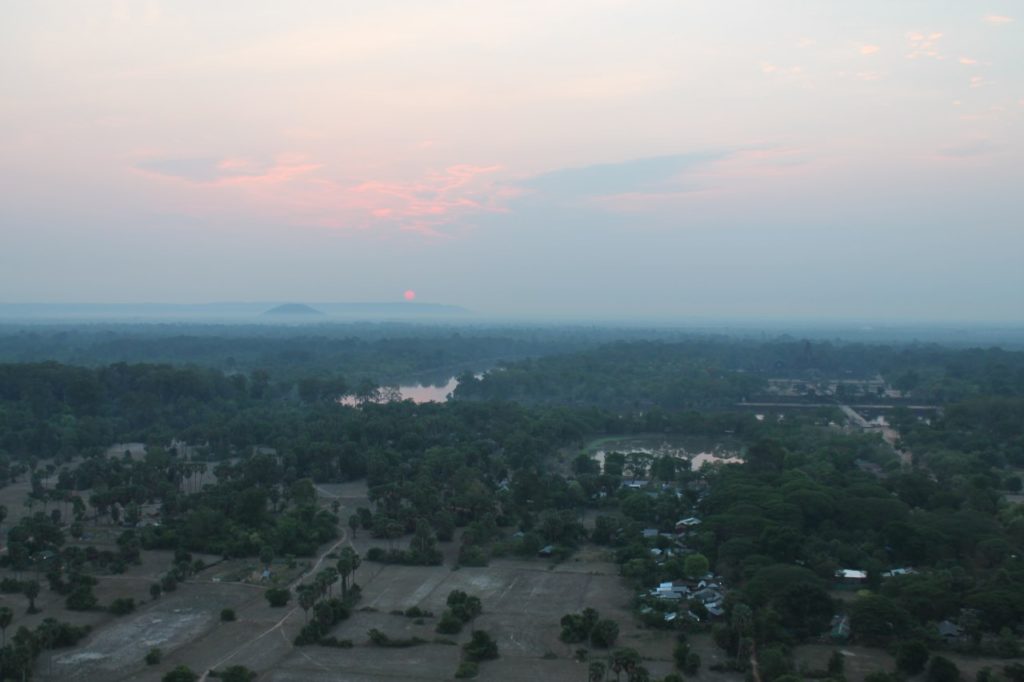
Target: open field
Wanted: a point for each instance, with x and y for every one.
(523, 601)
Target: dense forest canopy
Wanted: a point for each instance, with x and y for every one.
(502, 469)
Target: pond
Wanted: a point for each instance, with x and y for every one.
(698, 451)
(418, 393)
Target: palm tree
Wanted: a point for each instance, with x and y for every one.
(356, 560)
(596, 672)
(344, 570)
(31, 590)
(330, 577)
(307, 599)
(6, 616)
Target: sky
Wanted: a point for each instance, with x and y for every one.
(576, 159)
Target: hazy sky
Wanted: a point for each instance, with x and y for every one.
(600, 158)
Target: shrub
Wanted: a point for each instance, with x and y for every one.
(81, 599)
(604, 634)
(236, 673)
(122, 606)
(378, 638)
(154, 656)
(180, 674)
(481, 647)
(277, 596)
(466, 670)
(449, 624)
(227, 615)
(472, 555)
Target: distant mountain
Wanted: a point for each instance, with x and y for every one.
(228, 311)
(291, 309)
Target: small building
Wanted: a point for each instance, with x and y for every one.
(850, 577)
(896, 572)
(708, 596)
(546, 551)
(670, 591)
(687, 524)
(949, 630)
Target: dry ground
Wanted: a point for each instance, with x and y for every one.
(523, 601)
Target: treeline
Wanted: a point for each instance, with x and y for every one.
(384, 352)
(716, 373)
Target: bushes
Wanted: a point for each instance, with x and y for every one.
(235, 673)
(604, 634)
(449, 624)
(472, 555)
(277, 596)
(227, 615)
(462, 608)
(588, 625)
(82, 599)
(153, 656)
(467, 669)
(481, 647)
(327, 614)
(378, 638)
(122, 606)
(182, 673)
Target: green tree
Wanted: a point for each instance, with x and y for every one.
(31, 590)
(911, 657)
(277, 596)
(604, 634)
(6, 616)
(181, 673)
(480, 647)
(237, 673)
(696, 565)
(875, 617)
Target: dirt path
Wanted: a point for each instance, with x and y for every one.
(284, 619)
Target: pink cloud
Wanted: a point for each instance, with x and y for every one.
(997, 19)
(297, 191)
(869, 49)
(923, 45)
